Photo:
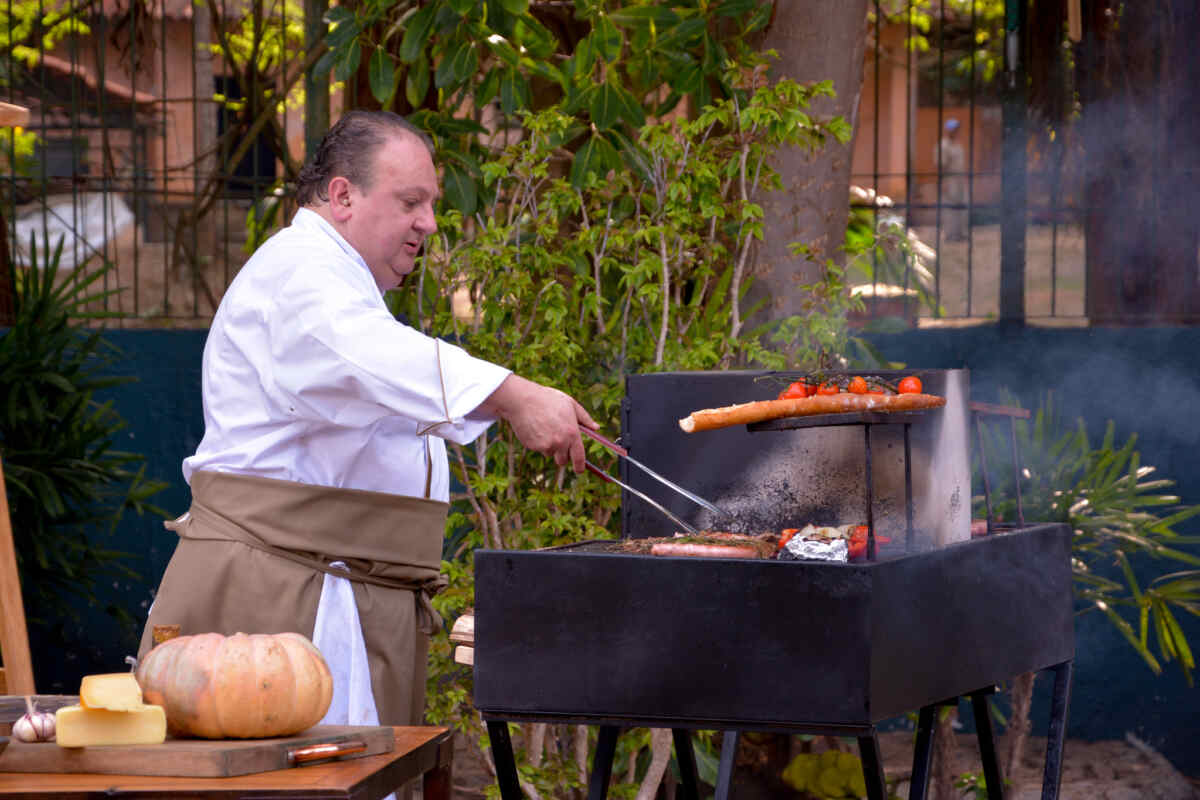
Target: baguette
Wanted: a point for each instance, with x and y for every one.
(844, 402)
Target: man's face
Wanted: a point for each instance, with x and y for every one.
(394, 215)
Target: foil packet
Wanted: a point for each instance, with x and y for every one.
(798, 549)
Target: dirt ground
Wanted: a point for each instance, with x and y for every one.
(1105, 770)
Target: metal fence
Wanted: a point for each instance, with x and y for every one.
(986, 204)
(137, 160)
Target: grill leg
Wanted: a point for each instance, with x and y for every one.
(872, 764)
(502, 757)
(685, 757)
(729, 746)
(922, 753)
(1060, 702)
(606, 748)
(987, 745)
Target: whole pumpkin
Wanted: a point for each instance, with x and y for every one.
(237, 687)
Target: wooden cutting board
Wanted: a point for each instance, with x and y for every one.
(190, 758)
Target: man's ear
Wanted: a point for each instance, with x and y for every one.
(340, 199)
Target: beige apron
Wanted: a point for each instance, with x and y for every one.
(252, 555)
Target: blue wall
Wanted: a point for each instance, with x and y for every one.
(1146, 380)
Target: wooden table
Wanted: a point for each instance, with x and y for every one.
(424, 751)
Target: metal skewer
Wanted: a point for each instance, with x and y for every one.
(602, 474)
(623, 453)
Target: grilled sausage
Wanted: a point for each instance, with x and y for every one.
(704, 550)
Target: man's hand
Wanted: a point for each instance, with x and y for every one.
(544, 419)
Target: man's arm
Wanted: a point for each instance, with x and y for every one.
(544, 419)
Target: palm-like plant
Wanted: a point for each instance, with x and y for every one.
(65, 481)
(1126, 552)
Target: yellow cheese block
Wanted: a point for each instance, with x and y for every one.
(115, 691)
(76, 726)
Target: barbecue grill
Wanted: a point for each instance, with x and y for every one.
(583, 634)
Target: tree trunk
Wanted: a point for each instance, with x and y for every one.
(816, 40)
(1140, 90)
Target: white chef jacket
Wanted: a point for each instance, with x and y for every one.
(308, 377)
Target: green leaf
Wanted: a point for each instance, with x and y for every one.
(489, 87)
(584, 57)
(660, 15)
(631, 110)
(596, 156)
(348, 65)
(759, 19)
(416, 83)
(514, 92)
(605, 106)
(687, 80)
(633, 155)
(736, 8)
(501, 47)
(465, 63)
(382, 74)
(325, 64)
(516, 7)
(416, 34)
(459, 188)
(686, 34)
(587, 160)
(343, 34)
(446, 70)
(461, 7)
(607, 39)
(535, 37)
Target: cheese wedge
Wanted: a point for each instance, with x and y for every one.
(76, 726)
(115, 691)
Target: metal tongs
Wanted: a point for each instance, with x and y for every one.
(623, 453)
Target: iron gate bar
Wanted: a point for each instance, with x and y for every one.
(1014, 165)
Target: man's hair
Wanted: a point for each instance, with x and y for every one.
(348, 150)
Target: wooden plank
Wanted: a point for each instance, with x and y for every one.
(14, 638)
(418, 750)
(12, 116)
(188, 757)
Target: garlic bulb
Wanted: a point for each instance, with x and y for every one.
(34, 726)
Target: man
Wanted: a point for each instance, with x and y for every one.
(952, 164)
(319, 491)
